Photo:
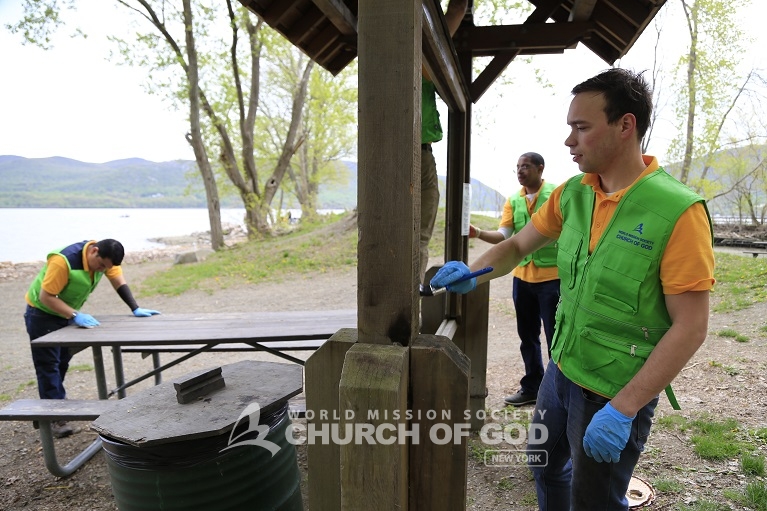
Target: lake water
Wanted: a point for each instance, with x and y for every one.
(28, 234)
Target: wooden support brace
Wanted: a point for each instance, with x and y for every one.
(439, 382)
(374, 389)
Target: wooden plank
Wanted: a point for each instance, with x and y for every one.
(203, 328)
(153, 417)
(55, 409)
(374, 380)
(323, 375)
(439, 379)
(389, 178)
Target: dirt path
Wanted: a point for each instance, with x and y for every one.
(725, 378)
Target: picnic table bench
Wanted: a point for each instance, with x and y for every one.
(755, 253)
(42, 412)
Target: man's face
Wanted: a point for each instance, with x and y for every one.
(96, 262)
(592, 141)
(529, 174)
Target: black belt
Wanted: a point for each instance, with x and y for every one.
(426, 146)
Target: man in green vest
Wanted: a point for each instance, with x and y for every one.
(431, 131)
(535, 288)
(636, 266)
(54, 300)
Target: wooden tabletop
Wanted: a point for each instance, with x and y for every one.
(206, 328)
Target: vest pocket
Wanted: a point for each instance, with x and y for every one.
(619, 358)
(620, 279)
(569, 247)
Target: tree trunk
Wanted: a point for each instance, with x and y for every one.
(195, 137)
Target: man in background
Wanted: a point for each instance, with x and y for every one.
(535, 288)
(54, 300)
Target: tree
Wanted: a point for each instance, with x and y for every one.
(193, 60)
(705, 97)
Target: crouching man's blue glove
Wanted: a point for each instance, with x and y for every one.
(85, 320)
(607, 434)
(144, 313)
(452, 272)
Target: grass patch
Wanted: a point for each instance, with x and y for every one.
(717, 440)
(5, 398)
(752, 465)
(754, 496)
(81, 367)
(25, 385)
(313, 247)
(667, 485)
(705, 505)
(740, 282)
(729, 332)
(673, 421)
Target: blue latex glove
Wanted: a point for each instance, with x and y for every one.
(448, 274)
(144, 313)
(607, 434)
(85, 320)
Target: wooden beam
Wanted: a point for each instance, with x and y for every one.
(489, 40)
(339, 15)
(582, 10)
(389, 177)
(439, 59)
(491, 72)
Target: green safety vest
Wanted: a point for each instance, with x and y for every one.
(547, 256)
(431, 129)
(78, 288)
(612, 311)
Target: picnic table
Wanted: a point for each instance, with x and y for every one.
(208, 330)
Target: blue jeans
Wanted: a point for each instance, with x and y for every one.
(534, 303)
(571, 480)
(51, 364)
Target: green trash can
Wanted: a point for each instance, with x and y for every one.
(198, 465)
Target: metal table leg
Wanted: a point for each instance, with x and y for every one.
(101, 378)
(49, 452)
(117, 357)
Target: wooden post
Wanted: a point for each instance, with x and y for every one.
(374, 388)
(322, 373)
(439, 379)
(471, 338)
(389, 178)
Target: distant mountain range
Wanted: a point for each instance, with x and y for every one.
(59, 182)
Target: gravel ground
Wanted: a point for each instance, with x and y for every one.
(708, 384)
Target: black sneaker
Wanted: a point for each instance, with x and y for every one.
(62, 429)
(521, 398)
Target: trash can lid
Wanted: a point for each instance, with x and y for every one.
(154, 416)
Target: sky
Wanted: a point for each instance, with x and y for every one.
(72, 102)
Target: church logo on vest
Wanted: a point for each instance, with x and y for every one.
(639, 228)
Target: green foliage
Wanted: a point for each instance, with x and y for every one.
(740, 282)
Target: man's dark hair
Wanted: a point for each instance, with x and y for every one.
(112, 250)
(536, 158)
(625, 92)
